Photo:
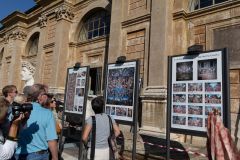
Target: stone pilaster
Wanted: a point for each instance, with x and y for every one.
(16, 42)
(155, 93)
(61, 47)
(154, 109)
(42, 23)
(115, 40)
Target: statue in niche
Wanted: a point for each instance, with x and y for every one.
(34, 47)
(27, 73)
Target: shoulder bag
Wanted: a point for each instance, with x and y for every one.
(113, 150)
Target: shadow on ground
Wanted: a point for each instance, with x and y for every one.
(160, 152)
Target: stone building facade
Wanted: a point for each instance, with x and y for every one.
(54, 35)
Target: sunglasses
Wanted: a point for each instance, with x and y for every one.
(52, 101)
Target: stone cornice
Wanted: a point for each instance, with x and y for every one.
(206, 11)
(14, 18)
(136, 20)
(52, 7)
(64, 12)
(180, 15)
(82, 4)
(46, 2)
(87, 42)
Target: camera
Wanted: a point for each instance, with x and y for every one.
(17, 108)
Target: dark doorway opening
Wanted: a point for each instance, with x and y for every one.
(95, 81)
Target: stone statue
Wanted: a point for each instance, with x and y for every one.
(34, 47)
(27, 73)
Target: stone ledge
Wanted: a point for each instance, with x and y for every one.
(155, 92)
(56, 90)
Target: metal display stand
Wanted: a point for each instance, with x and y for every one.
(82, 113)
(206, 97)
(121, 61)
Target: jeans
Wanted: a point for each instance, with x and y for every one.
(32, 156)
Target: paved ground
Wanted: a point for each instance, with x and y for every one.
(144, 150)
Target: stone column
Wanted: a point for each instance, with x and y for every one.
(42, 23)
(115, 40)
(181, 36)
(17, 45)
(61, 48)
(155, 93)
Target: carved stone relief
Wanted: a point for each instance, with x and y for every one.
(18, 34)
(64, 12)
(42, 21)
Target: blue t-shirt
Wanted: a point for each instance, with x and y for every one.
(39, 129)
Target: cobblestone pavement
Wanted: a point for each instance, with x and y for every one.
(145, 151)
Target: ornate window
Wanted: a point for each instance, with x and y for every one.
(197, 4)
(95, 25)
(32, 46)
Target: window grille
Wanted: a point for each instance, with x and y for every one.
(95, 25)
(198, 4)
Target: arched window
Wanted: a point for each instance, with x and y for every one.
(95, 25)
(32, 46)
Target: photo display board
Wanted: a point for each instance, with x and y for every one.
(76, 90)
(197, 87)
(120, 91)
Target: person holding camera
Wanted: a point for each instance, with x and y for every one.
(8, 147)
(39, 134)
(9, 93)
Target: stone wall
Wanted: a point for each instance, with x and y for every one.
(235, 105)
(136, 5)
(135, 47)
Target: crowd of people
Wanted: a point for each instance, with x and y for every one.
(28, 124)
(213, 98)
(195, 121)
(179, 98)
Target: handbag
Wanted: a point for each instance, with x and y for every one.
(84, 153)
(113, 149)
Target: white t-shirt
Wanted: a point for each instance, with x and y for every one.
(89, 110)
(7, 149)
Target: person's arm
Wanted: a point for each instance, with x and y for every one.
(116, 129)
(53, 149)
(86, 131)
(51, 136)
(7, 150)
(13, 131)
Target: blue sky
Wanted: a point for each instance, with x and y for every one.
(9, 6)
